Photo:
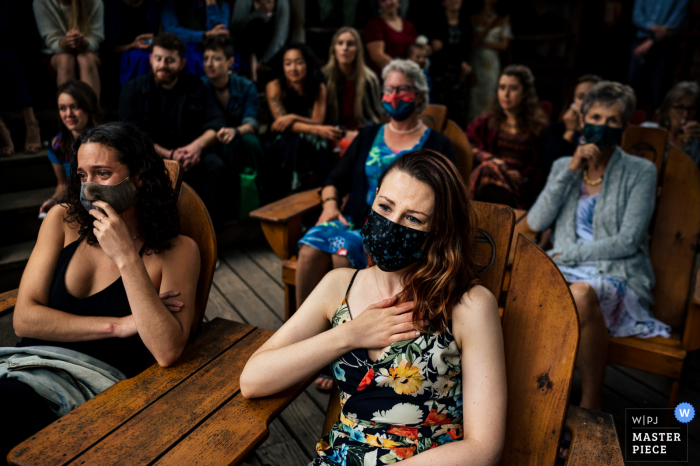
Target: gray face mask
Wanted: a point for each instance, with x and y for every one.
(120, 196)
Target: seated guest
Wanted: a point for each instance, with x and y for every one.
(388, 35)
(600, 203)
(180, 117)
(353, 96)
(562, 137)
(261, 28)
(335, 240)
(451, 41)
(192, 21)
(89, 302)
(297, 100)
(678, 114)
(130, 28)
(237, 98)
(414, 343)
(78, 111)
(14, 19)
(418, 53)
(506, 143)
(72, 31)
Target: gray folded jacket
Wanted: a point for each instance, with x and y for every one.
(65, 378)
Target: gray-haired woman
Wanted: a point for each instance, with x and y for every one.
(335, 240)
(600, 202)
(679, 115)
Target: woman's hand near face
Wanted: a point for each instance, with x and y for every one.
(112, 234)
(572, 120)
(382, 324)
(691, 130)
(585, 155)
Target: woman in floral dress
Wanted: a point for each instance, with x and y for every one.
(414, 343)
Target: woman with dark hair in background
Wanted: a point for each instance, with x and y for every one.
(89, 301)
(678, 114)
(353, 97)
(492, 35)
(297, 100)
(451, 40)
(387, 35)
(78, 111)
(414, 343)
(562, 137)
(507, 143)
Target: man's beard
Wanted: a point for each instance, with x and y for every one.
(166, 78)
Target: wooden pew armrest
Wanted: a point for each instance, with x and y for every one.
(281, 220)
(594, 439)
(286, 209)
(7, 302)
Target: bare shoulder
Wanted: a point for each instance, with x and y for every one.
(184, 250)
(273, 87)
(476, 314)
(337, 280)
(479, 297)
(329, 293)
(55, 222)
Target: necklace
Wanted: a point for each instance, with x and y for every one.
(590, 182)
(377, 283)
(408, 131)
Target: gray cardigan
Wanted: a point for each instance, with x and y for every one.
(621, 219)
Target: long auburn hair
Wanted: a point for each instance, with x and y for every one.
(361, 75)
(156, 203)
(86, 99)
(447, 269)
(531, 118)
(78, 16)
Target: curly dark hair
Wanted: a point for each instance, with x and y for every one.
(169, 41)
(218, 42)
(86, 100)
(531, 118)
(156, 203)
(314, 77)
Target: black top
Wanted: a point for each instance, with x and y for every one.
(173, 124)
(129, 355)
(124, 23)
(556, 146)
(348, 176)
(456, 43)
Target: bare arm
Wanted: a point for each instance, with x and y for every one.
(32, 317)
(501, 46)
(318, 114)
(377, 53)
(477, 326)
(162, 151)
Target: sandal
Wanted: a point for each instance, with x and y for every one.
(7, 148)
(319, 382)
(32, 145)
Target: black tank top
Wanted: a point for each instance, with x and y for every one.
(129, 355)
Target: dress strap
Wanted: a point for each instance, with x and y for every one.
(350, 285)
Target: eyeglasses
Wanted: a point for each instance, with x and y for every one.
(681, 108)
(402, 89)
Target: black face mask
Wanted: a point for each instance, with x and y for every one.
(392, 246)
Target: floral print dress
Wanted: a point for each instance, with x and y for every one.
(406, 402)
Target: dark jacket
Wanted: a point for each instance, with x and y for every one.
(195, 110)
(348, 176)
(556, 146)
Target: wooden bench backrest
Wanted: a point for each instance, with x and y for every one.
(196, 224)
(175, 173)
(675, 237)
(462, 149)
(496, 221)
(540, 334)
(649, 143)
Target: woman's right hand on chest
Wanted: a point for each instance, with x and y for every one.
(331, 212)
(382, 324)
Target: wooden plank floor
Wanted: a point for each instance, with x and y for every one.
(248, 288)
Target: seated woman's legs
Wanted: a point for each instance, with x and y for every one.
(65, 66)
(24, 413)
(89, 64)
(593, 346)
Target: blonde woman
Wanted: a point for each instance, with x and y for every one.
(353, 95)
(72, 31)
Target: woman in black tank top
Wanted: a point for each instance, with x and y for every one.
(92, 282)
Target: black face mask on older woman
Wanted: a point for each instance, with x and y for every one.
(390, 245)
(120, 196)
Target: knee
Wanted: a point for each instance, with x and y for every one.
(88, 60)
(63, 61)
(309, 255)
(586, 301)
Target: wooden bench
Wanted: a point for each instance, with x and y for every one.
(675, 231)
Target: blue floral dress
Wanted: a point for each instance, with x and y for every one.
(336, 238)
(406, 402)
(623, 312)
